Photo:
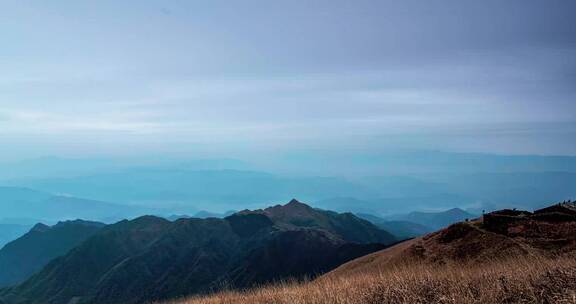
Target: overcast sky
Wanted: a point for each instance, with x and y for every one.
(229, 77)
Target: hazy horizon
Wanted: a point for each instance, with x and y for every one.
(378, 184)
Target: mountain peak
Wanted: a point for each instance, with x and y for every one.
(40, 228)
(294, 208)
(294, 203)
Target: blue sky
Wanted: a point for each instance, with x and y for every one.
(228, 78)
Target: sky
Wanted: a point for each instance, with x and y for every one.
(229, 78)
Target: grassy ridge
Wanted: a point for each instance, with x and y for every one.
(527, 280)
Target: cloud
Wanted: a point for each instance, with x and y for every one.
(291, 74)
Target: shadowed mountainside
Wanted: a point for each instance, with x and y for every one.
(26, 255)
(10, 232)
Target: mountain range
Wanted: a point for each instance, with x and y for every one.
(433, 220)
(21, 204)
(413, 224)
(217, 190)
(150, 258)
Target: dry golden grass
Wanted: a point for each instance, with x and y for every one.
(534, 280)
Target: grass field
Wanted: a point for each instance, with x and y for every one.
(534, 280)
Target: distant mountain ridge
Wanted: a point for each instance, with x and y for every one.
(404, 229)
(229, 189)
(150, 258)
(434, 220)
(200, 214)
(413, 224)
(18, 202)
